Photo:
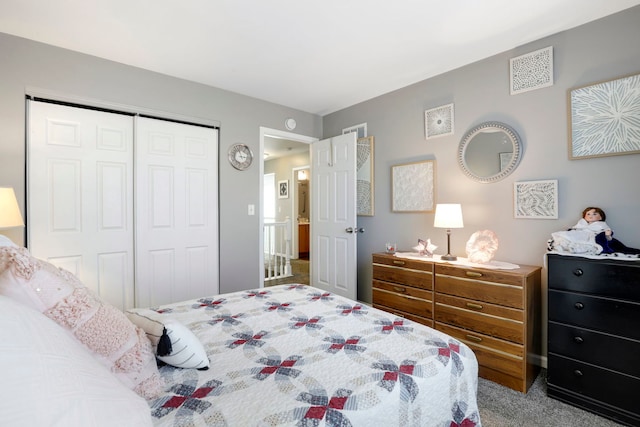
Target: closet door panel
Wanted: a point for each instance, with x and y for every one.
(177, 214)
(79, 195)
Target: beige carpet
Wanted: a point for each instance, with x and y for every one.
(300, 270)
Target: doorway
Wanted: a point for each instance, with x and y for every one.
(272, 141)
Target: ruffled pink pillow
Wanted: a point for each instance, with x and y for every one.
(112, 338)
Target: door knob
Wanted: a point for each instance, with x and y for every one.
(349, 229)
(361, 230)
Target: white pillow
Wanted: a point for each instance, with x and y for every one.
(186, 349)
(102, 328)
(5, 241)
(50, 379)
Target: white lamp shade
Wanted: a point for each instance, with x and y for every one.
(448, 215)
(9, 210)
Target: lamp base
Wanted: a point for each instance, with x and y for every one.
(449, 257)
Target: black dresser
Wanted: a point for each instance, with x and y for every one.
(594, 335)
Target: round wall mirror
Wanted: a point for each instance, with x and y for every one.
(489, 152)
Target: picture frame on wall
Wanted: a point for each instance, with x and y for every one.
(603, 118)
(283, 189)
(364, 176)
(413, 187)
(439, 121)
(531, 71)
(536, 199)
(360, 130)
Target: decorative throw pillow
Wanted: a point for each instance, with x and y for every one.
(103, 329)
(49, 378)
(175, 344)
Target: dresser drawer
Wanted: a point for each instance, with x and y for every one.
(407, 299)
(404, 276)
(494, 293)
(493, 353)
(593, 312)
(395, 261)
(608, 351)
(604, 385)
(494, 320)
(615, 279)
(505, 277)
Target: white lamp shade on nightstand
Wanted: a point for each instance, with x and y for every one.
(448, 215)
(10, 216)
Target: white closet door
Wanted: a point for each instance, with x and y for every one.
(79, 190)
(176, 212)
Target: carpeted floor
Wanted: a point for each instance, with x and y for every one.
(300, 270)
(503, 407)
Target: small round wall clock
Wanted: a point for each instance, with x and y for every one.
(240, 156)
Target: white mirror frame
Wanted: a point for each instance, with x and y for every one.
(497, 127)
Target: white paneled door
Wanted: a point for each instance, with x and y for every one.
(333, 215)
(138, 228)
(80, 196)
(176, 212)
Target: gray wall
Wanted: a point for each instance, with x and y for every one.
(27, 64)
(601, 50)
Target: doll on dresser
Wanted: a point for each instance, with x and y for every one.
(593, 219)
(591, 235)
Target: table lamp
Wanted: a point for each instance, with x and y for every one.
(10, 216)
(448, 215)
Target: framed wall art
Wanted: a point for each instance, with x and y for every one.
(413, 187)
(439, 121)
(364, 176)
(536, 199)
(283, 189)
(531, 71)
(603, 118)
(360, 130)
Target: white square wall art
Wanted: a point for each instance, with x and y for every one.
(531, 71)
(439, 121)
(536, 199)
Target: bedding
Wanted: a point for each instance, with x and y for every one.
(294, 355)
(103, 329)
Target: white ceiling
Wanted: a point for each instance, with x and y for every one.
(318, 56)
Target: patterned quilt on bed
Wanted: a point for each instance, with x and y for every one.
(294, 355)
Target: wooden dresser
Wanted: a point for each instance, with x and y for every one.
(495, 312)
(594, 335)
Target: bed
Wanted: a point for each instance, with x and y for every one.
(288, 355)
(296, 355)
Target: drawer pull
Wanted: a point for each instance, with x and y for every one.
(399, 289)
(578, 340)
(578, 373)
(578, 272)
(474, 338)
(473, 274)
(474, 306)
(399, 262)
(579, 306)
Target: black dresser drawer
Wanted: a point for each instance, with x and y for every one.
(611, 278)
(605, 386)
(592, 312)
(606, 350)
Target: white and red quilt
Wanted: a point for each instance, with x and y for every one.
(294, 355)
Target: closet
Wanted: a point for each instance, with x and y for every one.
(129, 204)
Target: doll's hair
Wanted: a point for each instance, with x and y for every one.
(598, 210)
